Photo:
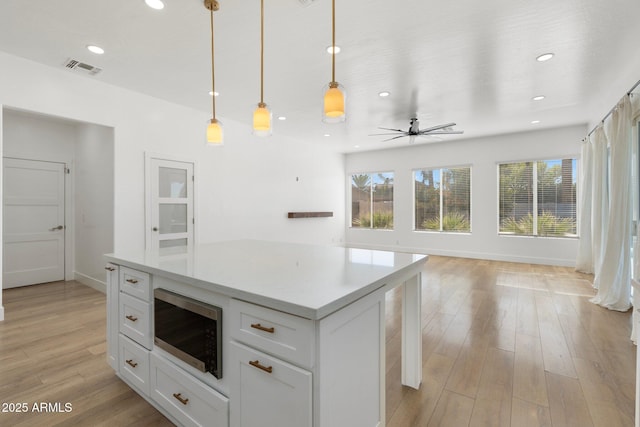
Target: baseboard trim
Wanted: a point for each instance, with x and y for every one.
(473, 255)
(90, 282)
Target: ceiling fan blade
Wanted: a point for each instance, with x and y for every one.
(447, 132)
(447, 125)
(391, 139)
(395, 130)
(378, 134)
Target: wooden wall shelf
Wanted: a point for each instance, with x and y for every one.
(309, 214)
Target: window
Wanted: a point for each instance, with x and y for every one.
(372, 200)
(442, 199)
(538, 198)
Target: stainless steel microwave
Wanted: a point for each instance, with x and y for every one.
(190, 330)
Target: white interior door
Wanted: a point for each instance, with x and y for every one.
(171, 205)
(33, 227)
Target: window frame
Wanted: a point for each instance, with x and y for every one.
(371, 175)
(441, 198)
(535, 201)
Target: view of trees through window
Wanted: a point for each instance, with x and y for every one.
(443, 199)
(538, 198)
(372, 200)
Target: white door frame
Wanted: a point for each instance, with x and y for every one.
(69, 216)
(147, 187)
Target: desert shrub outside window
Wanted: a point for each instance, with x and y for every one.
(372, 200)
(538, 198)
(442, 199)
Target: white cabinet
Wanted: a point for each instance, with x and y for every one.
(135, 283)
(303, 333)
(288, 337)
(182, 397)
(266, 391)
(188, 400)
(134, 364)
(112, 315)
(135, 320)
(267, 388)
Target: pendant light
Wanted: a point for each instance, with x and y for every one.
(262, 114)
(334, 94)
(214, 130)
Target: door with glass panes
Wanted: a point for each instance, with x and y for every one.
(171, 205)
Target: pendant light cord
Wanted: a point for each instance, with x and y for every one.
(333, 41)
(261, 52)
(213, 73)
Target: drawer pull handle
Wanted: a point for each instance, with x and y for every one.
(180, 399)
(263, 328)
(132, 281)
(110, 268)
(131, 317)
(131, 363)
(257, 364)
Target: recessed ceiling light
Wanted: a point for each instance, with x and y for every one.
(330, 49)
(213, 93)
(282, 118)
(535, 122)
(538, 98)
(95, 49)
(327, 135)
(356, 146)
(544, 57)
(155, 4)
(384, 94)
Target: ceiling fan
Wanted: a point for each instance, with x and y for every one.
(414, 131)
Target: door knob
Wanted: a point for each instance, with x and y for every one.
(60, 227)
(154, 229)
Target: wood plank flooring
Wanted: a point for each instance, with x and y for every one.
(53, 350)
(503, 345)
(512, 345)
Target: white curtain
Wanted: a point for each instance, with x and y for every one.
(613, 280)
(635, 114)
(599, 196)
(584, 261)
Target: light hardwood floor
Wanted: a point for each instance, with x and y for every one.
(513, 345)
(503, 344)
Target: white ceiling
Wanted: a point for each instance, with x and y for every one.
(465, 61)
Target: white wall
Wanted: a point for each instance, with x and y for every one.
(483, 155)
(1, 218)
(93, 202)
(233, 201)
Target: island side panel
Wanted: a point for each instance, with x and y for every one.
(412, 332)
(349, 387)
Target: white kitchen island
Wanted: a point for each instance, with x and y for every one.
(321, 312)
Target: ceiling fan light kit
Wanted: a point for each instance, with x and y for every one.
(415, 131)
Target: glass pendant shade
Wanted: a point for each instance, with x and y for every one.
(334, 103)
(262, 120)
(214, 132)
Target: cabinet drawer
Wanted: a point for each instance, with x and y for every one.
(289, 337)
(134, 364)
(266, 391)
(136, 283)
(135, 320)
(190, 401)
